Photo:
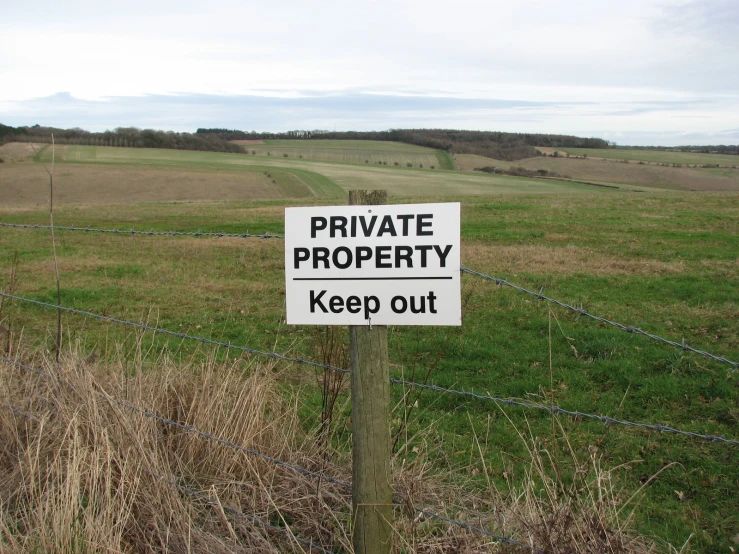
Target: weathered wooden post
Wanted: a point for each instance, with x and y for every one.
(370, 387)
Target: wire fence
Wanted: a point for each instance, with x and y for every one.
(147, 233)
(553, 409)
(578, 415)
(497, 280)
(19, 413)
(580, 311)
(305, 472)
(177, 334)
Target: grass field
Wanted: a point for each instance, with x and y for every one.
(655, 156)
(612, 172)
(666, 263)
(354, 151)
(108, 174)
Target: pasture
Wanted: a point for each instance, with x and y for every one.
(655, 156)
(666, 263)
(652, 176)
(141, 175)
(354, 151)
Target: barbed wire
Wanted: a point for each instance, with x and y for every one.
(266, 235)
(580, 311)
(252, 519)
(561, 411)
(203, 340)
(507, 401)
(19, 413)
(479, 530)
(294, 467)
(191, 429)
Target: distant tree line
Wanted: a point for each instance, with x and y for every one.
(122, 136)
(498, 145)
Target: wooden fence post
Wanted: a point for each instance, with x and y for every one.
(370, 384)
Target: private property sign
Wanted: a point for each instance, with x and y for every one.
(384, 265)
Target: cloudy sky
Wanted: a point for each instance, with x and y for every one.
(633, 71)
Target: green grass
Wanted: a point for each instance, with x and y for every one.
(663, 262)
(445, 160)
(351, 144)
(355, 152)
(655, 156)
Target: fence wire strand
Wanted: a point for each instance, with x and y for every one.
(19, 413)
(191, 429)
(506, 401)
(203, 340)
(266, 235)
(606, 420)
(252, 519)
(584, 313)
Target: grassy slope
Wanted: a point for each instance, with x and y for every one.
(611, 171)
(400, 181)
(352, 151)
(351, 144)
(655, 156)
(665, 263)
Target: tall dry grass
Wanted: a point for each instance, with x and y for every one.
(89, 475)
(86, 474)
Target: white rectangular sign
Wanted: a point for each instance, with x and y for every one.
(385, 265)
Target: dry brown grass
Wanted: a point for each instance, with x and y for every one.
(86, 474)
(19, 151)
(680, 178)
(20, 186)
(470, 162)
(613, 171)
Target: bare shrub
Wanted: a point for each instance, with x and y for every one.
(332, 349)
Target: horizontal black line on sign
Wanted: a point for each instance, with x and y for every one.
(366, 278)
